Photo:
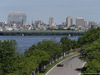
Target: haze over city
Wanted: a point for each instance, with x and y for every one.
(59, 9)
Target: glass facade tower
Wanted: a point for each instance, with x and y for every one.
(17, 18)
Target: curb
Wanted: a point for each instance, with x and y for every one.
(82, 67)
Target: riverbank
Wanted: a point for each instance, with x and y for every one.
(34, 33)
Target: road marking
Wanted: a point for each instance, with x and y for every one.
(82, 66)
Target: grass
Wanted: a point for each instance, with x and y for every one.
(52, 65)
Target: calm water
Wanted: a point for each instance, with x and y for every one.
(24, 42)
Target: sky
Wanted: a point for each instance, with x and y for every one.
(58, 9)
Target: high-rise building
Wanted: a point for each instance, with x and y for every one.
(51, 21)
(92, 23)
(69, 21)
(17, 18)
(80, 22)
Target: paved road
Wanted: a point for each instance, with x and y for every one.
(72, 66)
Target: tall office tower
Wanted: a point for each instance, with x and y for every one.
(80, 22)
(69, 21)
(17, 18)
(51, 21)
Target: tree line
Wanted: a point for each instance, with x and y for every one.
(90, 50)
(38, 33)
(34, 58)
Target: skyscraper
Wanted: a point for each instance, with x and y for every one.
(69, 21)
(17, 18)
(51, 21)
(80, 22)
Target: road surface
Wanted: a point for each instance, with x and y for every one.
(72, 66)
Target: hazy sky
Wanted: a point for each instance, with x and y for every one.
(59, 9)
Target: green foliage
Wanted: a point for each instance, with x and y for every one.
(90, 50)
(43, 51)
(38, 33)
(52, 47)
(93, 67)
(41, 56)
(68, 44)
(74, 44)
(89, 36)
(29, 52)
(28, 64)
(13, 63)
(8, 55)
(24, 66)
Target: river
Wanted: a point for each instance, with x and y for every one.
(24, 42)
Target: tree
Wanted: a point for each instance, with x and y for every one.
(74, 44)
(25, 66)
(91, 51)
(91, 54)
(52, 47)
(7, 56)
(93, 66)
(41, 57)
(89, 36)
(29, 52)
(66, 44)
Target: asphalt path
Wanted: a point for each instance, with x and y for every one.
(72, 66)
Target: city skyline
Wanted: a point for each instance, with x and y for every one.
(58, 9)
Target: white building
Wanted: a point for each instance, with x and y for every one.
(69, 21)
(80, 21)
(51, 21)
